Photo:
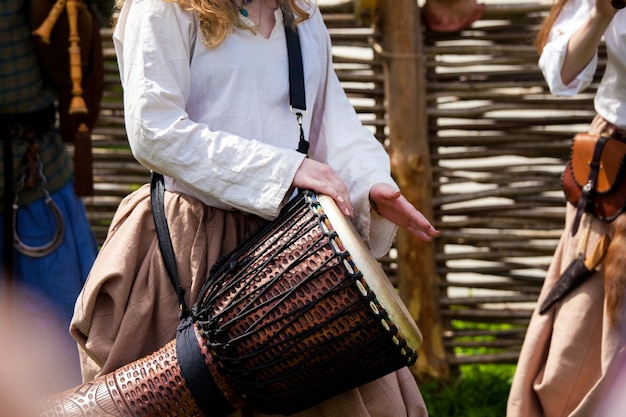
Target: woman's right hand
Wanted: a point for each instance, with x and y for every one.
(321, 178)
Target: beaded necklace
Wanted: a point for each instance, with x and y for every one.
(243, 10)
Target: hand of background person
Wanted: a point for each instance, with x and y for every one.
(392, 205)
(605, 8)
(451, 15)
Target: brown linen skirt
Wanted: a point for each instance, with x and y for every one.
(128, 308)
(564, 365)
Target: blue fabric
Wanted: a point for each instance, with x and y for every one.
(59, 276)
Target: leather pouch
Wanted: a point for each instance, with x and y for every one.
(606, 188)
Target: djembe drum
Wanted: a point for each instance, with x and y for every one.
(297, 314)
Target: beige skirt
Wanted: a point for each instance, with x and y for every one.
(128, 308)
(564, 367)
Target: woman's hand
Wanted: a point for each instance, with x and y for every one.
(389, 202)
(392, 205)
(321, 178)
(606, 8)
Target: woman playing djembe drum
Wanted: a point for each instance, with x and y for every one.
(206, 91)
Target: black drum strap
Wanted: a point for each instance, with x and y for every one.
(207, 395)
(297, 95)
(157, 200)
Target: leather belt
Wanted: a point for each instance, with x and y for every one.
(19, 125)
(28, 127)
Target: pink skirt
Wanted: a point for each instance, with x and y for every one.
(564, 368)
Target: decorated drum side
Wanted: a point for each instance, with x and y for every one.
(302, 313)
(151, 386)
(298, 314)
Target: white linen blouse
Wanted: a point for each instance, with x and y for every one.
(217, 122)
(610, 99)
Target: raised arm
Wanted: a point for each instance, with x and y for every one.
(584, 42)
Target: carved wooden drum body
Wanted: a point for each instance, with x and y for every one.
(303, 312)
(300, 313)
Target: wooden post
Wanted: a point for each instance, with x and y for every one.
(401, 46)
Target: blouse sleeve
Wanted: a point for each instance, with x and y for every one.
(569, 20)
(340, 139)
(154, 42)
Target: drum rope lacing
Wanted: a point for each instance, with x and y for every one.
(229, 265)
(220, 322)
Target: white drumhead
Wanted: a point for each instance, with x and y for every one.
(373, 273)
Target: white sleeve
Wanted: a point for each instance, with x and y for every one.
(571, 18)
(154, 41)
(351, 150)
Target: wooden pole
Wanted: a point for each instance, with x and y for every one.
(401, 46)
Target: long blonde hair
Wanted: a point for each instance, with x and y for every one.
(218, 18)
(544, 30)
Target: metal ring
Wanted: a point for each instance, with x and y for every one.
(297, 111)
(48, 248)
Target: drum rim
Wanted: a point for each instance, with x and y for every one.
(372, 272)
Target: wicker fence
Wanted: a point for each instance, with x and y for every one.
(498, 145)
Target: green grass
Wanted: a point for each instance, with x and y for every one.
(474, 391)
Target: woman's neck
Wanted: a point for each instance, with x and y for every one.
(261, 13)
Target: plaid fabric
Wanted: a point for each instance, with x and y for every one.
(21, 85)
(22, 91)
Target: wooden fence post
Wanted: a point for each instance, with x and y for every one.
(401, 46)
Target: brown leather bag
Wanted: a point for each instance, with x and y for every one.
(594, 176)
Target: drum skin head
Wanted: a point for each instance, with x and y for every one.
(372, 272)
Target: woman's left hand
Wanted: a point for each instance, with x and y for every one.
(392, 205)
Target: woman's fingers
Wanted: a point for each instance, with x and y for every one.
(422, 229)
(388, 200)
(392, 205)
(319, 177)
